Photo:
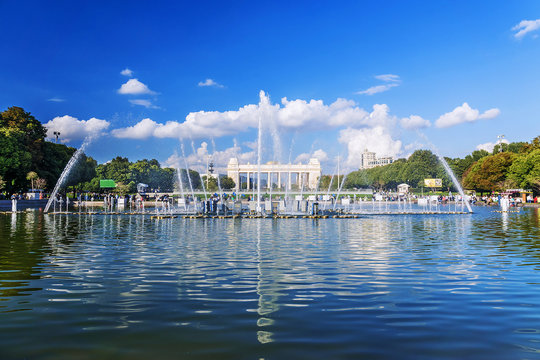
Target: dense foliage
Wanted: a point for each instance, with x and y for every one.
(28, 161)
(23, 149)
(422, 164)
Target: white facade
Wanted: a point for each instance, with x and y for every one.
(370, 160)
(403, 188)
(274, 173)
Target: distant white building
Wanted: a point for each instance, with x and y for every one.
(370, 160)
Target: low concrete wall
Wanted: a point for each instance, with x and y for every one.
(23, 204)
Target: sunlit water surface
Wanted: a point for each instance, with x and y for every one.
(378, 287)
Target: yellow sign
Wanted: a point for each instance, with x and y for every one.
(433, 183)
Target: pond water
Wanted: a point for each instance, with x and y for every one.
(378, 287)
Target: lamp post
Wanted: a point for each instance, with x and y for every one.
(56, 134)
(500, 139)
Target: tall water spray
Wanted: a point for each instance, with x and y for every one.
(218, 180)
(448, 170)
(65, 173)
(259, 149)
(289, 173)
(187, 169)
(339, 190)
(181, 184)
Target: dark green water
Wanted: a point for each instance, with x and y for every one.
(380, 287)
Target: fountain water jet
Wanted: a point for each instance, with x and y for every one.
(448, 170)
(65, 173)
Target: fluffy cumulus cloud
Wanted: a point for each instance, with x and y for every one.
(143, 102)
(127, 72)
(414, 122)
(71, 128)
(525, 27)
(198, 157)
(142, 130)
(391, 81)
(134, 87)
(490, 145)
(209, 83)
(290, 115)
(464, 113)
(377, 139)
(319, 154)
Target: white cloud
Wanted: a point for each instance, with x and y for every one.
(525, 27)
(319, 154)
(142, 130)
(490, 145)
(71, 128)
(209, 82)
(388, 77)
(142, 102)
(377, 139)
(290, 115)
(391, 80)
(197, 161)
(127, 72)
(377, 89)
(414, 122)
(134, 87)
(55, 99)
(464, 113)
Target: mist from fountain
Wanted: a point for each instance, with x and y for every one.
(289, 173)
(187, 169)
(181, 185)
(218, 180)
(339, 190)
(329, 187)
(259, 154)
(67, 169)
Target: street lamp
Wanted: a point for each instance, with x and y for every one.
(56, 134)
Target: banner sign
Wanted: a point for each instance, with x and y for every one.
(433, 183)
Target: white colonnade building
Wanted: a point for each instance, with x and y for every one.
(305, 176)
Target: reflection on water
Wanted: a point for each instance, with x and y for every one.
(437, 286)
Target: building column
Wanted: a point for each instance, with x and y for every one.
(289, 183)
(279, 180)
(247, 185)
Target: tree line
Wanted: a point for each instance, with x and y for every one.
(28, 161)
(509, 166)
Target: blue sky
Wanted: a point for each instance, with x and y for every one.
(338, 77)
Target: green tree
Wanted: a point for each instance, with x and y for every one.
(227, 183)
(210, 183)
(489, 173)
(15, 159)
(55, 158)
(525, 171)
(2, 183)
(32, 175)
(421, 164)
(118, 169)
(33, 132)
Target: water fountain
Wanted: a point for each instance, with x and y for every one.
(65, 173)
